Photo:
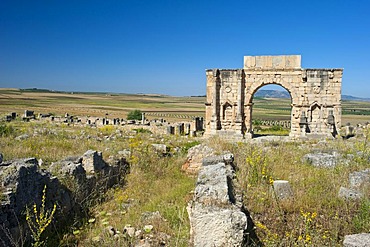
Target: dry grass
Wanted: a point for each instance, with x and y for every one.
(155, 183)
(315, 216)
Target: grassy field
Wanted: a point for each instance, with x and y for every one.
(156, 182)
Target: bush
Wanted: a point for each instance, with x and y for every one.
(134, 115)
(6, 130)
(142, 130)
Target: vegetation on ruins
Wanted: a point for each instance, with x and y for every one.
(134, 115)
(39, 219)
(316, 216)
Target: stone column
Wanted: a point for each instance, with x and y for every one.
(215, 102)
(187, 129)
(248, 120)
(142, 118)
(170, 130)
(239, 106)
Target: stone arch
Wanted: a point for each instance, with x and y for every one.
(316, 111)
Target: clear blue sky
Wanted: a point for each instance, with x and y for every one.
(164, 46)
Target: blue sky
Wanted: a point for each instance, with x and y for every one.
(165, 46)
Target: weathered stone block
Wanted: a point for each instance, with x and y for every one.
(92, 161)
(319, 159)
(357, 240)
(195, 157)
(349, 194)
(282, 189)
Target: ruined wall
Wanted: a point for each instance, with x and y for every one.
(216, 213)
(315, 94)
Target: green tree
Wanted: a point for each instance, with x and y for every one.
(134, 115)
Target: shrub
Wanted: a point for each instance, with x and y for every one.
(134, 115)
(6, 130)
(142, 130)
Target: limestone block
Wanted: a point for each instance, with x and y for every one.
(217, 227)
(278, 61)
(92, 161)
(282, 189)
(212, 160)
(249, 62)
(293, 61)
(349, 194)
(267, 61)
(160, 148)
(359, 179)
(259, 62)
(357, 240)
(195, 157)
(347, 132)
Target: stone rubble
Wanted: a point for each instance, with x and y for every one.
(359, 182)
(321, 159)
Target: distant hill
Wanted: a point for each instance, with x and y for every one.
(272, 94)
(258, 94)
(285, 94)
(349, 97)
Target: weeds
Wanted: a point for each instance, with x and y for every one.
(308, 219)
(6, 130)
(39, 219)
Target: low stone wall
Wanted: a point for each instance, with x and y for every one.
(71, 184)
(217, 216)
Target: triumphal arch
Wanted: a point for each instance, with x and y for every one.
(315, 96)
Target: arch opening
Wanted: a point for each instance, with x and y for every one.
(271, 110)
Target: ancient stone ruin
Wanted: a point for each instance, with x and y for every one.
(23, 180)
(315, 96)
(216, 213)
